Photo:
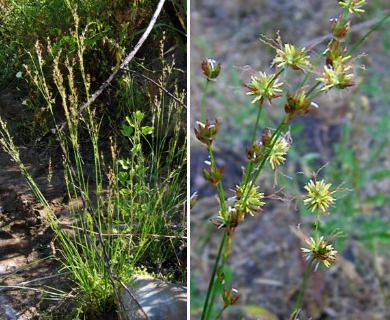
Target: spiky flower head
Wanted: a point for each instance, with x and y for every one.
(336, 54)
(264, 87)
(248, 199)
(321, 251)
(279, 150)
(318, 196)
(290, 56)
(336, 76)
(298, 103)
(353, 6)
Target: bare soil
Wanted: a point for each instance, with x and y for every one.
(27, 253)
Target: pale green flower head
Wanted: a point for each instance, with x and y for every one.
(292, 57)
(336, 76)
(318, 197)
(353, 6)
(264, 87)
(249, 199)
(278, 152)
(321, 251)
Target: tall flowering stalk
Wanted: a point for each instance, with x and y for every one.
(272, 148)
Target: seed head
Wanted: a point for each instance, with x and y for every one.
(264, 87)
(279, 150)
(336, 76)
(249, 200)
(321, 251)
(318, 196)
(353, 6)
(211, 68)
(289, 56)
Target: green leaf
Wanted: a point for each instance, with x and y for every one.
(126, 130)
(138, 115)
(125, 192)
(124, 163)
(147, 130)
(381, 173)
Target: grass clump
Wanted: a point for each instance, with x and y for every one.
(125, 188)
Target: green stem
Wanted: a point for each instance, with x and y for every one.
(203, 107)
(218, 186)
(303, 287)
(220, 312)
(229, 238)
(317, 225)
(374, 27)
(249, 167)
(257, 123)
(270, 146)
(211, 292)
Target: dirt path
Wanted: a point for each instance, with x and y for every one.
(25, 242)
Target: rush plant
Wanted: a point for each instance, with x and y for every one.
(126, 205)
(313, 74)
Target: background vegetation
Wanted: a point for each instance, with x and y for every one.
(123, 159)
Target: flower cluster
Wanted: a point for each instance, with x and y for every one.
(213, 174)
(318, 196)
(277, 153)
(248, 199)
(297, 103)
(292, 57)
(353, 6)
(264, 87)
(337, 70)
(230, 296)
(319, 250)
(337, 76)
(318, 199)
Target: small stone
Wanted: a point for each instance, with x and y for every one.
(154, 299)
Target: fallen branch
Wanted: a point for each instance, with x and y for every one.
(116, 72)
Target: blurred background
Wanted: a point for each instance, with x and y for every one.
(348, 133)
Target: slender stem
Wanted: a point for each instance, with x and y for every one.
(219, 186)
(249, 166)
(257, 122)
(208, 305)
(372, 29)
(303, 286)
(229, 240)
(317, 225)
(270, 146)
(203, 106)
(220, 312)
(211, 291)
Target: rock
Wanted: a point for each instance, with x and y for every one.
(153, 299)
(6, 311)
